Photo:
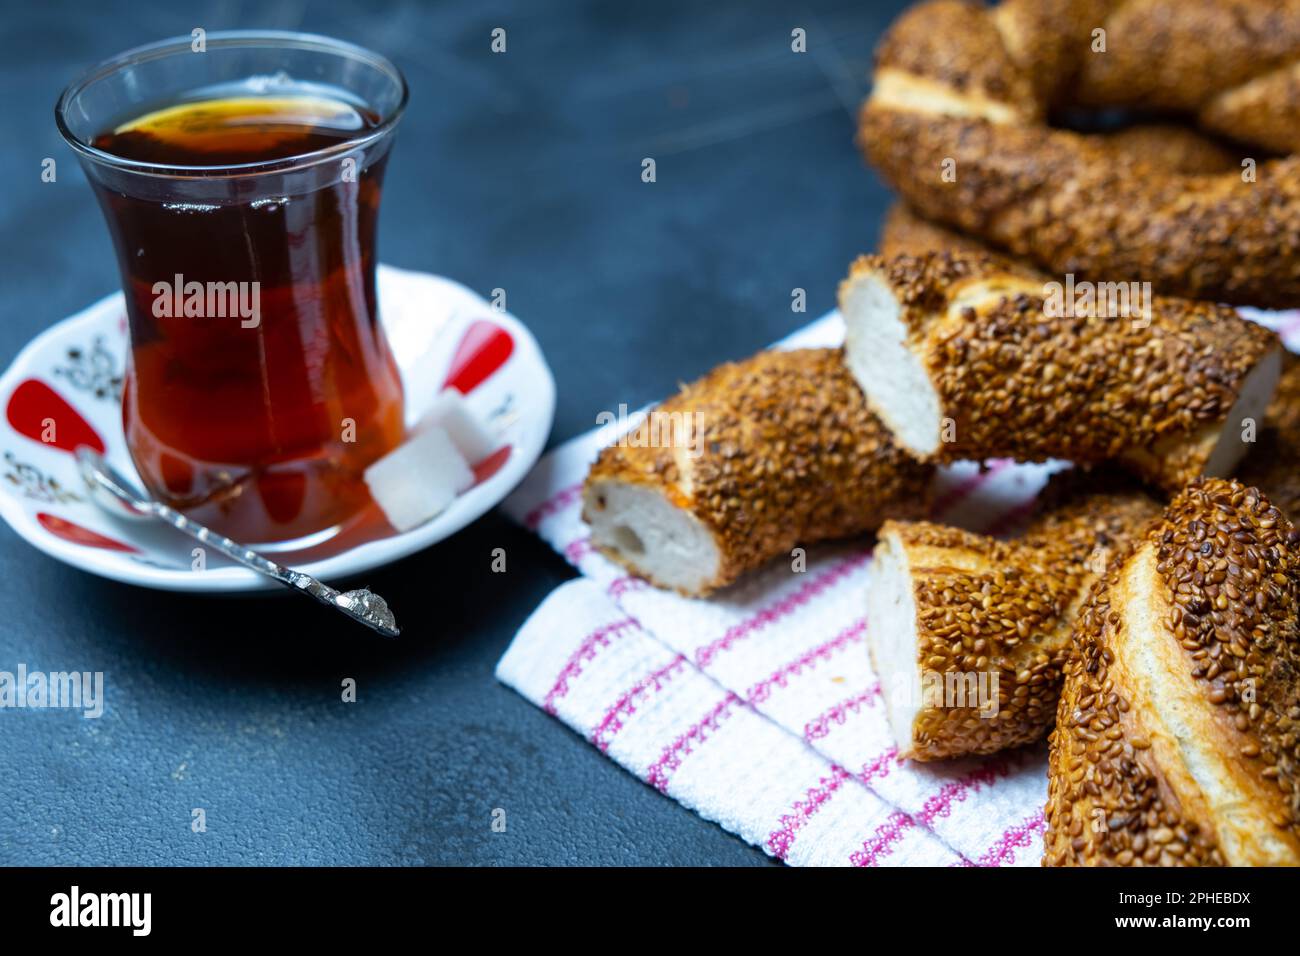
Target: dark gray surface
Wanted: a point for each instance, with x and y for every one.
(519, 171)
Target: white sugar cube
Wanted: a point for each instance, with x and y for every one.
(419, 478)
(450, 412)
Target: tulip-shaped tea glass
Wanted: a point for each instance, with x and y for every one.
(240, 176)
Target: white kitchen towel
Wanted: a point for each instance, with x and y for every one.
(774, 677)
(656, 714)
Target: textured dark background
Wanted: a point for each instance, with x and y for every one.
(520, 171)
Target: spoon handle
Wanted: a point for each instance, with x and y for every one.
(237, 552)
(360, 605)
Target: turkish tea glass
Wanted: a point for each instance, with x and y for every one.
(259, 383)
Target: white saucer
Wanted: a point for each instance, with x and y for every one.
(439, 332)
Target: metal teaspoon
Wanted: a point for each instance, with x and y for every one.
(115, 494)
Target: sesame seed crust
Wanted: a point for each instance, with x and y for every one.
(1180, 55)
(790, 455)
(1066, 201)
(906, 233)
(1176, 735)
(1179, 149)
(1017, 383)
(988, 606)
(967, 56)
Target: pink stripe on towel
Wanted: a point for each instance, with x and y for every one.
(824, 581)
(782, 837)
(686, 744)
